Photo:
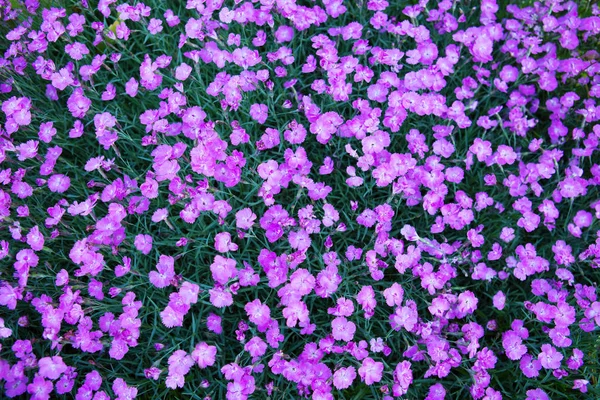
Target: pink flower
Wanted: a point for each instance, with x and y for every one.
(284, 34)
(499, 300)
(27, 150)
(394, 295)
(505, 155)
(204, 355)
(171, 18)
(482, 48)
(581, 385)
(109, 93)
(51, 367)
(530, 366)
(93, 380)
(62, 79)
(295, 312)
(299, 240)
(377, 92)
(436, 392)
(259, 112)
(223, 269)
(155, 26)
(182, 72)
(256, 347)
(513, 345)
(343, 377)
(259, 314)
(171, 317)
(152, 373)
(35, 239)
(342, 329)
(47, 132)
(403, 377)
(180, 363)
(220, 298)
(537, 394)
(366, 298)
(143, 243)
(245, 57)
(371, 371)
(550, 357)
(244, 219)
(40, 388)
(166, 272)
(123, 391)
(59, 183)
(213, 323)
(188, 292)
(131, 87)
(404, 317)
(4, 331)
(467, 302)
(223, 243)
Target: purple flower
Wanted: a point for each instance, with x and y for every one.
(370, 371)
(143, 243)
(342, 329)
(166, 272)
(513, 345)
(499, 300)
(123, 391)
(51, 367)
(436, 392)
(259, 112)
(549, 357)
(204, 355)
(40, 388)
(343, 377)
(537, 394)
(59, 183)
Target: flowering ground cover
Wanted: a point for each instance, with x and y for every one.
(277, 199)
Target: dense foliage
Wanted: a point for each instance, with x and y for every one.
(299, 199)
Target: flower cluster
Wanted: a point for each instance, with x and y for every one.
(316, 199)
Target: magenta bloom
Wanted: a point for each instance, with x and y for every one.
(343, 377)
(550, 358)
(51, 367)
(467, 302)
(499, 300)
(436, 392)
(256, 347)
(182, 72)
(537, 394)
(371, 371)
(123, 391)
(223, 243)
(530, 366)
(513, 345)
(220, 298)
(259, 112)
(35, 239)
(213, 324)
(204, 355)
(403, 377)
(59, 183)
(342, 329)
(166, 272)
(223, 269)
(259, 314)
(244, 219)
(143, 243)
(40, 388)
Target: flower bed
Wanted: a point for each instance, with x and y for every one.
(299, 199)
